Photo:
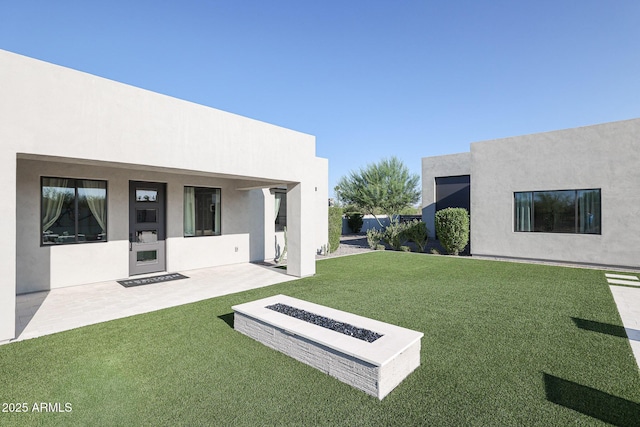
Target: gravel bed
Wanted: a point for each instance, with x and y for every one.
(349, 245)
(325, 322)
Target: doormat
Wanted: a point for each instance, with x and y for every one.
(149, 280)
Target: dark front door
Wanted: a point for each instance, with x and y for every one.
(146, 227)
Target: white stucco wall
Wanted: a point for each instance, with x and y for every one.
(72, 124)
(61, 112)
(603, 156)
(8, 247)
(49, 267)
(301, 208)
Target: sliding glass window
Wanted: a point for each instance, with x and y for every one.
(563, 211)
(73, 210)
(201, 211)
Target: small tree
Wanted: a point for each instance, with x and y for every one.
(386, 187)
(452, 228)
(335, 227)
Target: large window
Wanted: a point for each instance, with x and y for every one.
(281, 209)
(73, 210)
(564, 211)
(201, 211)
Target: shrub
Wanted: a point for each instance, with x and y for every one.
(398, 233)
(373, 238)
(395, 235)
(380, 248)
(354, 220)
(405, 248)
(335, 227)
(416, 232)
(452, 228)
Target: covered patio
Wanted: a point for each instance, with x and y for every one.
(104, 181)
(57, 310)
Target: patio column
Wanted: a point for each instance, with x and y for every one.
(301, 259)
(8, 247)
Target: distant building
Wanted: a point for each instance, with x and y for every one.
(569, 195)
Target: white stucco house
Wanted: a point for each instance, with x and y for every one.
(105, 181)
(569, 195)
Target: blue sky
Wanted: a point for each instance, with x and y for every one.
(368, 78)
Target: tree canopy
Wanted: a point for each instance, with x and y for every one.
(387, 186)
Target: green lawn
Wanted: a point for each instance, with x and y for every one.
(505, 344)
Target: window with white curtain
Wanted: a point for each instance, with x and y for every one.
(201, 211)
(560, 211)
(73, 210)
(280, 209)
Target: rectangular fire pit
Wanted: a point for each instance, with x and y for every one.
(375, 367)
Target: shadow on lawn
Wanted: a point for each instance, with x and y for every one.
(603, 328)
(227, 318)
(591, 402)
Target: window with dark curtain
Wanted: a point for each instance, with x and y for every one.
(201, 211)
(561, 211)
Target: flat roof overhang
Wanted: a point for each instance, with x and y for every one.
(244, 182)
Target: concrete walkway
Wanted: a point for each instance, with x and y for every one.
(626, 293)
(43, 313)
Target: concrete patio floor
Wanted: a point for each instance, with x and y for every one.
(48, 312)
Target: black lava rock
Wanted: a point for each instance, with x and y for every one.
(325, 322)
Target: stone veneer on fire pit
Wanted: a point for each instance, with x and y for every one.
(374, 367)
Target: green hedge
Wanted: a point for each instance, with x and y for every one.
(452, 229)
(335, 227)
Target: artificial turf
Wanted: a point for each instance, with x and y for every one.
(504, 344)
